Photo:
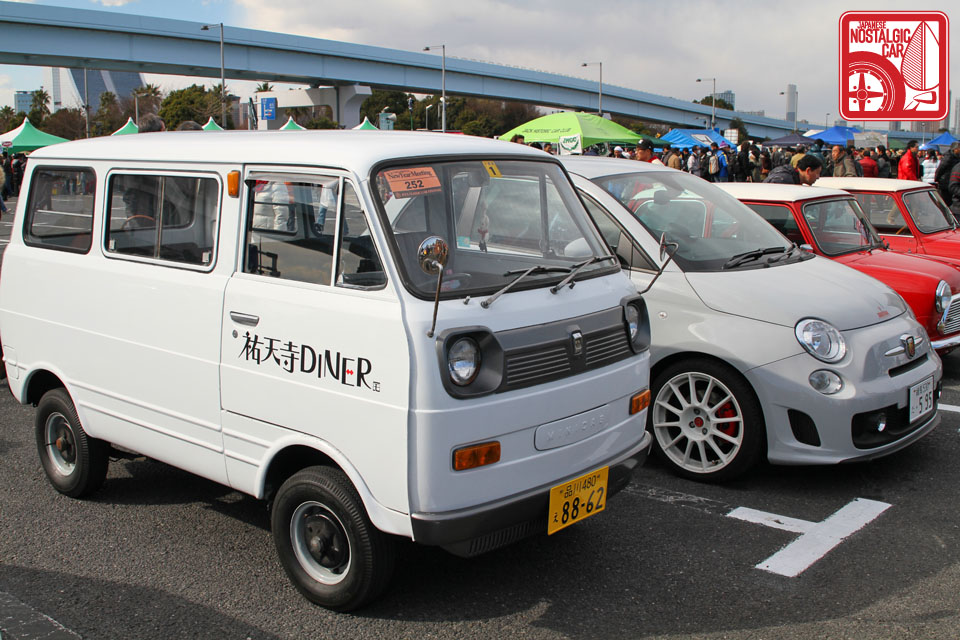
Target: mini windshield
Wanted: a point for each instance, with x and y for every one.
(713, 230)
(928, 210)
(839, 226)
(497, 218)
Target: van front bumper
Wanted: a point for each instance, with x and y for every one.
(470, 532)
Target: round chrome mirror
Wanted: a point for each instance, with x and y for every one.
(432, 254)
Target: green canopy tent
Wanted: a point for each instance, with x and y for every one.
(366, 124)
(212, 126)
(591, 128)
(26, 137)
(291, 126)
(130, 127)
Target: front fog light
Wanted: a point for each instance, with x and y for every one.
(463, 361)
(826, 382)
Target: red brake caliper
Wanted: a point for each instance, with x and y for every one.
(727, 411)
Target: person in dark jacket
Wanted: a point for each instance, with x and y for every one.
(942, 177)
(954, 186)
(807, 171)
(883, 162)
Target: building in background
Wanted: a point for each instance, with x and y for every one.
(729, 96)
(69, 86)
(791, 94)
(22, 100)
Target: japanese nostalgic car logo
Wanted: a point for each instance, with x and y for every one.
(577, 338)
(909, 345)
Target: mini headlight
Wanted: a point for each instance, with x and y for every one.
(821, 339)
(463, 361)
(826, 382)
(633, 320)
(943, 296)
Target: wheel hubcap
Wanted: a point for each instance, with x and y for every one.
(61, 443)
(698, 422)
(320, 542)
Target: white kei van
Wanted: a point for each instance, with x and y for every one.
(370, 331)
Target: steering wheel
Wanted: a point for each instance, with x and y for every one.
(127, 223)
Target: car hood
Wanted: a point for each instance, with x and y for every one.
(814, 288)
(878, 262)
(945, 243)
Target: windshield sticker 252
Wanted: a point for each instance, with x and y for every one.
(294, 358)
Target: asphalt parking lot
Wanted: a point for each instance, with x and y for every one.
(869, 550)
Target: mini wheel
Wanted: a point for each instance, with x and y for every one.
(75, 463)
(328, 547)
(706, 420)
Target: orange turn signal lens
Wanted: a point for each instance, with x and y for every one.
(233, 184)
(640, 401)
(477, 455)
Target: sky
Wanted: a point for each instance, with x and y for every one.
(753, 48)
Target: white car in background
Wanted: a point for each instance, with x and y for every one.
(758, 348)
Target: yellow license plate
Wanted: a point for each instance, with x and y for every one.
(577, 499)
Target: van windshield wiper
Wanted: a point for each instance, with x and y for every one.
(756, 254)
(577, 268)
(523, 273)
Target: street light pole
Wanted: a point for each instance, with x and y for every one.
(713, 101)
(443, 83)
(426, 120)
(223, 82)
(599, 87)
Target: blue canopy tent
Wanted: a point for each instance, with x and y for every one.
(686, 138)
(835, 135)
(941, 141)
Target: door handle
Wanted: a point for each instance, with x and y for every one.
(244, 318)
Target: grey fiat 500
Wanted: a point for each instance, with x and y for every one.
(759, 348)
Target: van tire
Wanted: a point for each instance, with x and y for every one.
(329, 548)
(75, 463)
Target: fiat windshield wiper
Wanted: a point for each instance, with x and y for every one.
(756, 254)
(523, 273)
(577, 268)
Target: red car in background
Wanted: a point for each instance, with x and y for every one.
(909, 215)
(830, 223)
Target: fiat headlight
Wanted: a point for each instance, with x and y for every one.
(821, 339)
(463, 361)
(943, 296)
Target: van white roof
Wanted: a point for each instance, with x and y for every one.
(349, 149)
(871, 184)
(777, 192)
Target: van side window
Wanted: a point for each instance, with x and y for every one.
(164, 217)
(60, 209)
(360, 264)
(291, 227)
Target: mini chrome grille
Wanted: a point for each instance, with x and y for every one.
(951, 323)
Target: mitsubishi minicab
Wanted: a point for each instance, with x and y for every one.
(366, 330)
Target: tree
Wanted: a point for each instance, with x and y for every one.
(193, 103)
(39, 106)
(147, 99)
(321, 122)
(8, 118)
(264, 87)
(395, 101)
(738, 124)
(109, 116)
(721, 103)
(67, 123)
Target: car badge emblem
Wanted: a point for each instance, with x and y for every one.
(577, 339)
(909, 345)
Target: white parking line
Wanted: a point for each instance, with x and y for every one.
(817, 539)
(949, 407)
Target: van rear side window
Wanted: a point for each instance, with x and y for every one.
(60, 209)
(164, 217)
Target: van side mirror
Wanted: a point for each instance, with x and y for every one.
(432, 256)
(667, 249)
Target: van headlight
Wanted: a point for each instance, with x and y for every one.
(943, 296)
(821, 339)
(463, 361)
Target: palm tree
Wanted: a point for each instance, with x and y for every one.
(39, 100)
(148, 98)
(263, 87)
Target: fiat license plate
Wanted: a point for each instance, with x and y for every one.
(577, 499)
(921, 398)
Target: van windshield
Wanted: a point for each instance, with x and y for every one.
(496, 216)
